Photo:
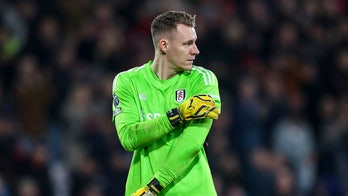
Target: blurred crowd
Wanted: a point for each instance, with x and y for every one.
(283, 72)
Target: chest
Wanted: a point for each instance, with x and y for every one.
(154, 101)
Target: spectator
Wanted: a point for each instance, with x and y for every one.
(293, 138)
(32, 94)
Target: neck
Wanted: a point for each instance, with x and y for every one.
(161, 68)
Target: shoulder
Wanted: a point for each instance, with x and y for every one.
(204, 74)
(127, 75)
(201, 70)
(133, 72)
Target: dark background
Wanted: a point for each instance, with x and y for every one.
(283, 72)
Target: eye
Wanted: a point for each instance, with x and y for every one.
(188, 43)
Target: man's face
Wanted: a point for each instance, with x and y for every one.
(182, 48)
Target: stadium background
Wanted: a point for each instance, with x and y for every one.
(283, 72)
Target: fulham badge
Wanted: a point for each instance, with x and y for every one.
(180, 95)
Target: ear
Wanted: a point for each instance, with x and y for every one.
(163, 45)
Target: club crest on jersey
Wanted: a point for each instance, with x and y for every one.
(180, 95)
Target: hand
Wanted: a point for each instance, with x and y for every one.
(196, 107)
(151, 189)
(144, 191)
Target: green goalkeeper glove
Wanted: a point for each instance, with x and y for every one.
(151, 189)
(196, 107)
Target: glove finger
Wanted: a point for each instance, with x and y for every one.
(216, 110)
(208, 105)
(203, 95)
(213, 115)
(195, 117)
(204, 98)
(201, 110)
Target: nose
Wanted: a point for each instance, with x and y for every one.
(195, 50)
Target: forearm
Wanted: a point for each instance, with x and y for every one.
(140, 134)
(185, 151)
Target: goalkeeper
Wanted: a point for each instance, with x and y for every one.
(163, 111)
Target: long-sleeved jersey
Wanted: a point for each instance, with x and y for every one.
(175, 156)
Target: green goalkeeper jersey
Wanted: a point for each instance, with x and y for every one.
(175, 156)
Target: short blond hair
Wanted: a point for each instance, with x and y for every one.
(168, 21)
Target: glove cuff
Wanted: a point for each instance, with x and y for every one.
(155, 186)
(174, 117)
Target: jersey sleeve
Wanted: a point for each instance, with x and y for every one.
(194, 135)
(134, 134)
(205, 82)
(189, 145)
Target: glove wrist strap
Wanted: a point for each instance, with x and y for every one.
(155, 185)
(174, 117)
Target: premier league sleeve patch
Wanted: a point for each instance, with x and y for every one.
(116, 100)
(116, 109)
